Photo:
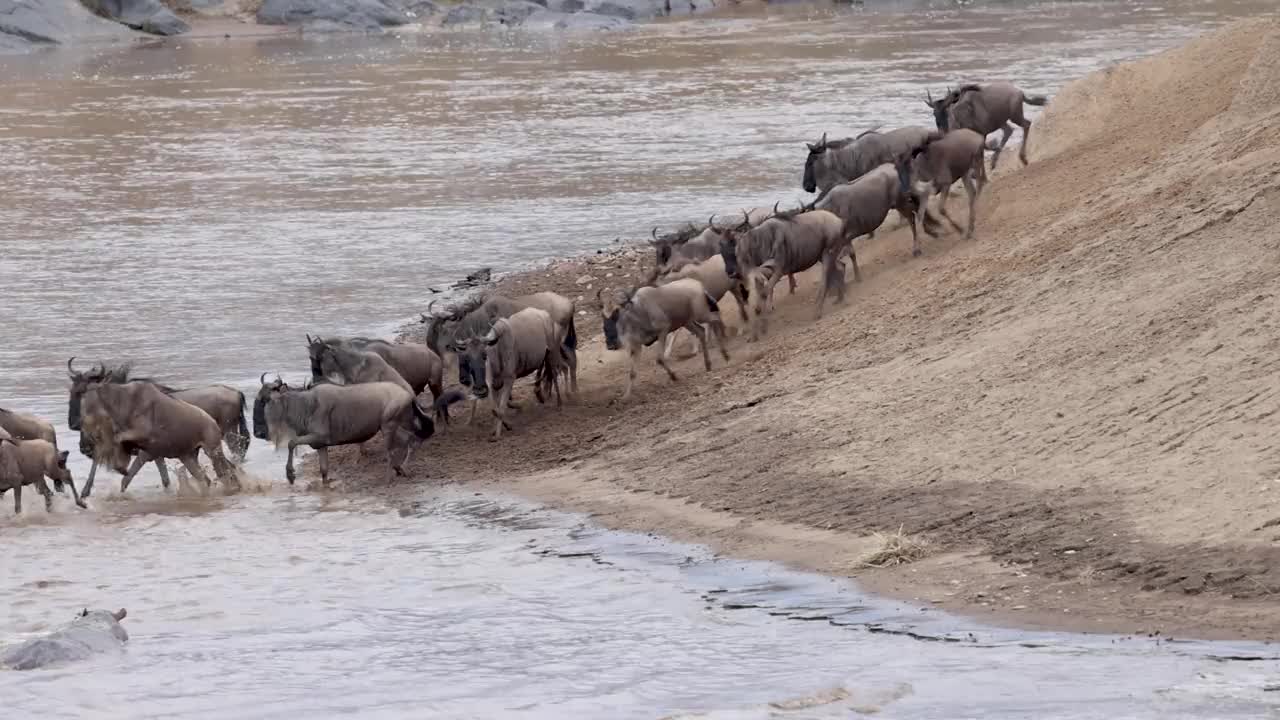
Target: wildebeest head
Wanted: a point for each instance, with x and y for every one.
(440, 327)
(621, 317)
(61, 474)
(266, 392)
(757, 285)
(81, 381)
(471, 353)
(315, 350)
(940, 108)
(816, 150)
(729, 251)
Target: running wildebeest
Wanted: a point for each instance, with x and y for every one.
(37, 460)
(328, 415)
(715, 280)
(865, 203)
(691, 244)
(648, 314)
(138, 419)
(840, 161)
(474, 318)
(224, 404)
(985, 109)
(419, 366)
(788, 243)
(91, 633)
(937, 164)
(524, 344)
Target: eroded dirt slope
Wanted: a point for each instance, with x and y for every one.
(1087, 394)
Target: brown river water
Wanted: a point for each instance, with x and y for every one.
(200, 205)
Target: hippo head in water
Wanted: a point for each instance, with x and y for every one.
(92, 632)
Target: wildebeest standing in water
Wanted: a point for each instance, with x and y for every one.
(37, 460)
(958, 155)
(224, 404)
(328, 415)
(138, 417)
(985, 109)
(648, 314)
(518, 346)
(419, 366)
(25, 426)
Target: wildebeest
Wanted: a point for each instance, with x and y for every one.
(985, 109)
(524, 344)
(24, 426)
(937, 164)
(839, 161)
(865, 203)
(418, 365)
(474, 318)
(139, 419)
(327, 415)
(715, 280)
(648, 314)
(91, 633)
(692, 244)
(790, 243)
(36, 460)
(225, 404)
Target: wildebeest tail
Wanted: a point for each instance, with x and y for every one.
(447, 398)
(1034, 99)
(571, 337)
(712, 305)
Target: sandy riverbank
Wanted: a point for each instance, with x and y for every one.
(1079, 410)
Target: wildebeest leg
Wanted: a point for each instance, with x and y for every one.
(17, 499)
(223, 468)
(971, 187)
(828, 277)
(88, 484)
(138, 461)
(942, 206)
(791, 281)
(500, 400)
(288, 463)
(192, 464)
(322, 459)
(1026, 138)
(43, 487)
(1006, 132)
(741, 297)
(662, 336)
(164, 472)
(717, 327)
(928, 220)
(853, 257)
(572, 357)
(75, 495)
(633, 355)
(700, 333)
(475, 403)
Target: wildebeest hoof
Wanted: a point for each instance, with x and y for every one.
(290, 475)
(916, 252)
(81, 504)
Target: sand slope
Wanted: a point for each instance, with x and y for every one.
(1089, 393)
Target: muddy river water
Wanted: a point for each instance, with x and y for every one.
(200, 205)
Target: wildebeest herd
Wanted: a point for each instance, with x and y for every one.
(361, 387)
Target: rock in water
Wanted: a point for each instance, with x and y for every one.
(90, 634)
(357, 14)
(149, 16)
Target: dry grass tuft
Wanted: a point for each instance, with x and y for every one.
(896, 548)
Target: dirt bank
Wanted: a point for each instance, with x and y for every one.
(1079, 410)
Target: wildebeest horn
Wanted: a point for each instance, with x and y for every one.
(309, 340)
(70, 370)
(654, 232)
(262, 379)
(120, 614)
